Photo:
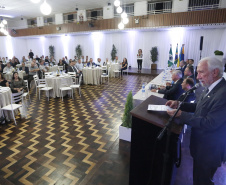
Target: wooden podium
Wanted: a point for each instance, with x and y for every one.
(147, 154)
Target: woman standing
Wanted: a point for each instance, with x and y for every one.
(139, 60)
(17, 84)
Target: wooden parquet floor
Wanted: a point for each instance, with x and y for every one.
(70, 142)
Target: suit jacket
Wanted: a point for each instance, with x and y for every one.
(190, 97)
(172, 92)
(70, 69)
(208, 135)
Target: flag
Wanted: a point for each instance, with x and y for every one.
(182, 53)
(170, 61)
(176, 60)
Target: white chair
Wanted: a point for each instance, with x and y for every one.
(73, 75)
(117, 71)
(77, 86)
(105, 75)
(65, 87)
(125, 71)
(15, 98)
(45, 88)
(61, 68)
(37, 84)
(25, 94)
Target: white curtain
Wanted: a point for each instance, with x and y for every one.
(127, 43)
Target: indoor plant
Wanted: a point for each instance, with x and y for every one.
(78, 51)
(51, 51)
(113, 52)
(125, 127)
(219, 55)
(154, 57)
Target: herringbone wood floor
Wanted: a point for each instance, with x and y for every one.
(70, 142)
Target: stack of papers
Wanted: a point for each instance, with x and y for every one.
(158, 107)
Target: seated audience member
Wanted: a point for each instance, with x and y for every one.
(79, 65)
(98, 62)
(26, 69)
(116, 60)
(46, 60)
(60, 63)
(106, 62)
(87, 59)
(17, 84)
(6, 59)
(73, 68)
(1, 67)
(191, 62)
(52, 61)
(3, 82)
(189, 73)
(91, 63)
(183, 66)
(3, 60)
(32, 71)
(37, 58)
(43, 68)
(8, 68)
(75, 58)
(82, 59)
(187, 84)
(172, 92)
(66, 59)
(124, 65)
(23, 59)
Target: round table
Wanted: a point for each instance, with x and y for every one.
(5, 99)
(92, 75)
(56, 82)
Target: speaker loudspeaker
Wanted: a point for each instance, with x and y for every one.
(201, 43)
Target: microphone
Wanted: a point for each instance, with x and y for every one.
(193, 88)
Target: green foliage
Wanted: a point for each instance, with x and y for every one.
(51, 51)
(78, 51)
(217, 52)
(127, 117)
(113, 52)
(154, 54)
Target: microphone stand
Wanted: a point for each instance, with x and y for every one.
(161, 134)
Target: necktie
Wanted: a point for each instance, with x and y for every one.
(206, 92)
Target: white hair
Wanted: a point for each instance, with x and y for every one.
(214, 63)
(177, 73)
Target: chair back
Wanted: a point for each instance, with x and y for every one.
(26, 84)
(80, 79)
(61, 68)
(42, 82)
(17, 97)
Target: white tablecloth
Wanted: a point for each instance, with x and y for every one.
(57, 82)
(92, 75)
(5, 99)
(161, 79)
(114, 67)
(8, 76)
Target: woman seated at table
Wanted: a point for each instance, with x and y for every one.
(3, 82)
(124, 65)
(17, 84)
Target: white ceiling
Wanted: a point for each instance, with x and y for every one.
(26, 9)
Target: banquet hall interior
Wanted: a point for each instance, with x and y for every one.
(73, 137)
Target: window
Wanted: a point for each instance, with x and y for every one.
(159, 7)
(128, 8)
(195, 5)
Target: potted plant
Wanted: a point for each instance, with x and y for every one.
(219, 55)
(78, 51)
(125, 127)
(113, 52)
(154, 57)
(51, 51)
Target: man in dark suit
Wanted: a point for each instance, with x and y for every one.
(72, 68)
(31, 54)
(24, 68)
(172, 92)
(189, 73)
(183, 66)
(208, 143)
(187, 84)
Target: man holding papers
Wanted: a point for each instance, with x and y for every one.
(208, 122)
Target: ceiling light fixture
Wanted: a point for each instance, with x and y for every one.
(125, 20)
(119, 9)
(121, 26)
(117, 3)
(123, 15)
(35, 1)
(45, 8)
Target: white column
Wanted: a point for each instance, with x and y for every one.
(40, 21)
(59, 18)
(140, 8)
(180, 6)
(108, 12)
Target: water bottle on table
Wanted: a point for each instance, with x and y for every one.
(143, 90)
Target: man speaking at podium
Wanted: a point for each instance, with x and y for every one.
(208, 133)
